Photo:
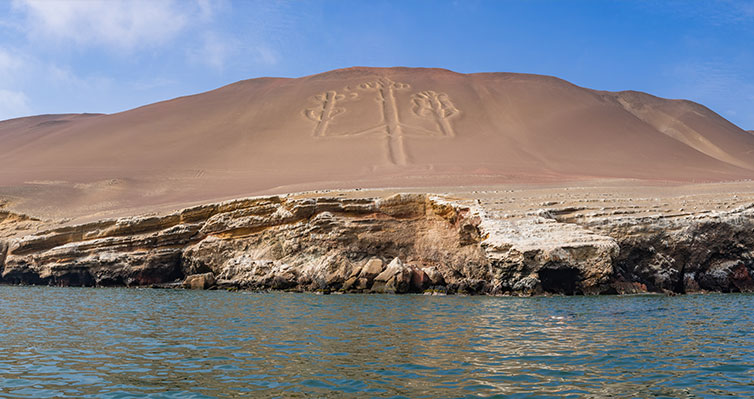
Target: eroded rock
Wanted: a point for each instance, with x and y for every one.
(199, 281)
(399, 244)
(372, 269)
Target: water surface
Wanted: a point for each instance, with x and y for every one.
(122, 343)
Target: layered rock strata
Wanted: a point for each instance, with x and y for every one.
(402, 243)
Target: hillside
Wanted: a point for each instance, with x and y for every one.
(360, 127)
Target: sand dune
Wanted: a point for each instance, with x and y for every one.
(361, 127)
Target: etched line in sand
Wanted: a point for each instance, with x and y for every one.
(396, 146)
(425, 104)
(325, 113)
(438, 106)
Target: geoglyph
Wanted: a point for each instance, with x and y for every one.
(428, 105)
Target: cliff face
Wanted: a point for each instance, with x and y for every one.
(709, 252)
(401, 243)
(270, 242)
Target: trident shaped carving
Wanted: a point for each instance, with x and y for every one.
(425, 104)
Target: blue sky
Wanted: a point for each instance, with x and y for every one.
(87, 56)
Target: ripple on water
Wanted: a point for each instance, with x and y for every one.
(117, 343)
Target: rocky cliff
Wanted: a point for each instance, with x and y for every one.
(399, 243)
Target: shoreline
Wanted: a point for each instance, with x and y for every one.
(178, 286)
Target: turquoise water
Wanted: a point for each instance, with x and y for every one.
(119, 343)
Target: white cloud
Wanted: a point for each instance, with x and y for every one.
(13, 104)
(217, 51)
(64, 77)
(266, 55)
(10, 64)
(56, 54)
(208, 8)
(18, 70)
(123, 24)
(214, 51)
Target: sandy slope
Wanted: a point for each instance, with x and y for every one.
(360, 127)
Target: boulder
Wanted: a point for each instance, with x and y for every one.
(419, 279)
(434, 275)
(337, 277)
(396, 278)
(372, 269)
(284, 281)
(362, 284)
(355, 284)
(728, 276)
(199, 281)
(350, 283)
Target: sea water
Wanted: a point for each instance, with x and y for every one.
(122, 343)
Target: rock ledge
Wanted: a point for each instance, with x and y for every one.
(398, 244)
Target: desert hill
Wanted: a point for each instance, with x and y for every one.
(361, 127)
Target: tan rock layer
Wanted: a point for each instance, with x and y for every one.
(402, 243)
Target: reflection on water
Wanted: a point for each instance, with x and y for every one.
(83, 342)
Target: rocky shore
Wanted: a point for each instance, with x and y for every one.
(401, 243)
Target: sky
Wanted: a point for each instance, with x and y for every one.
(60, 56)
